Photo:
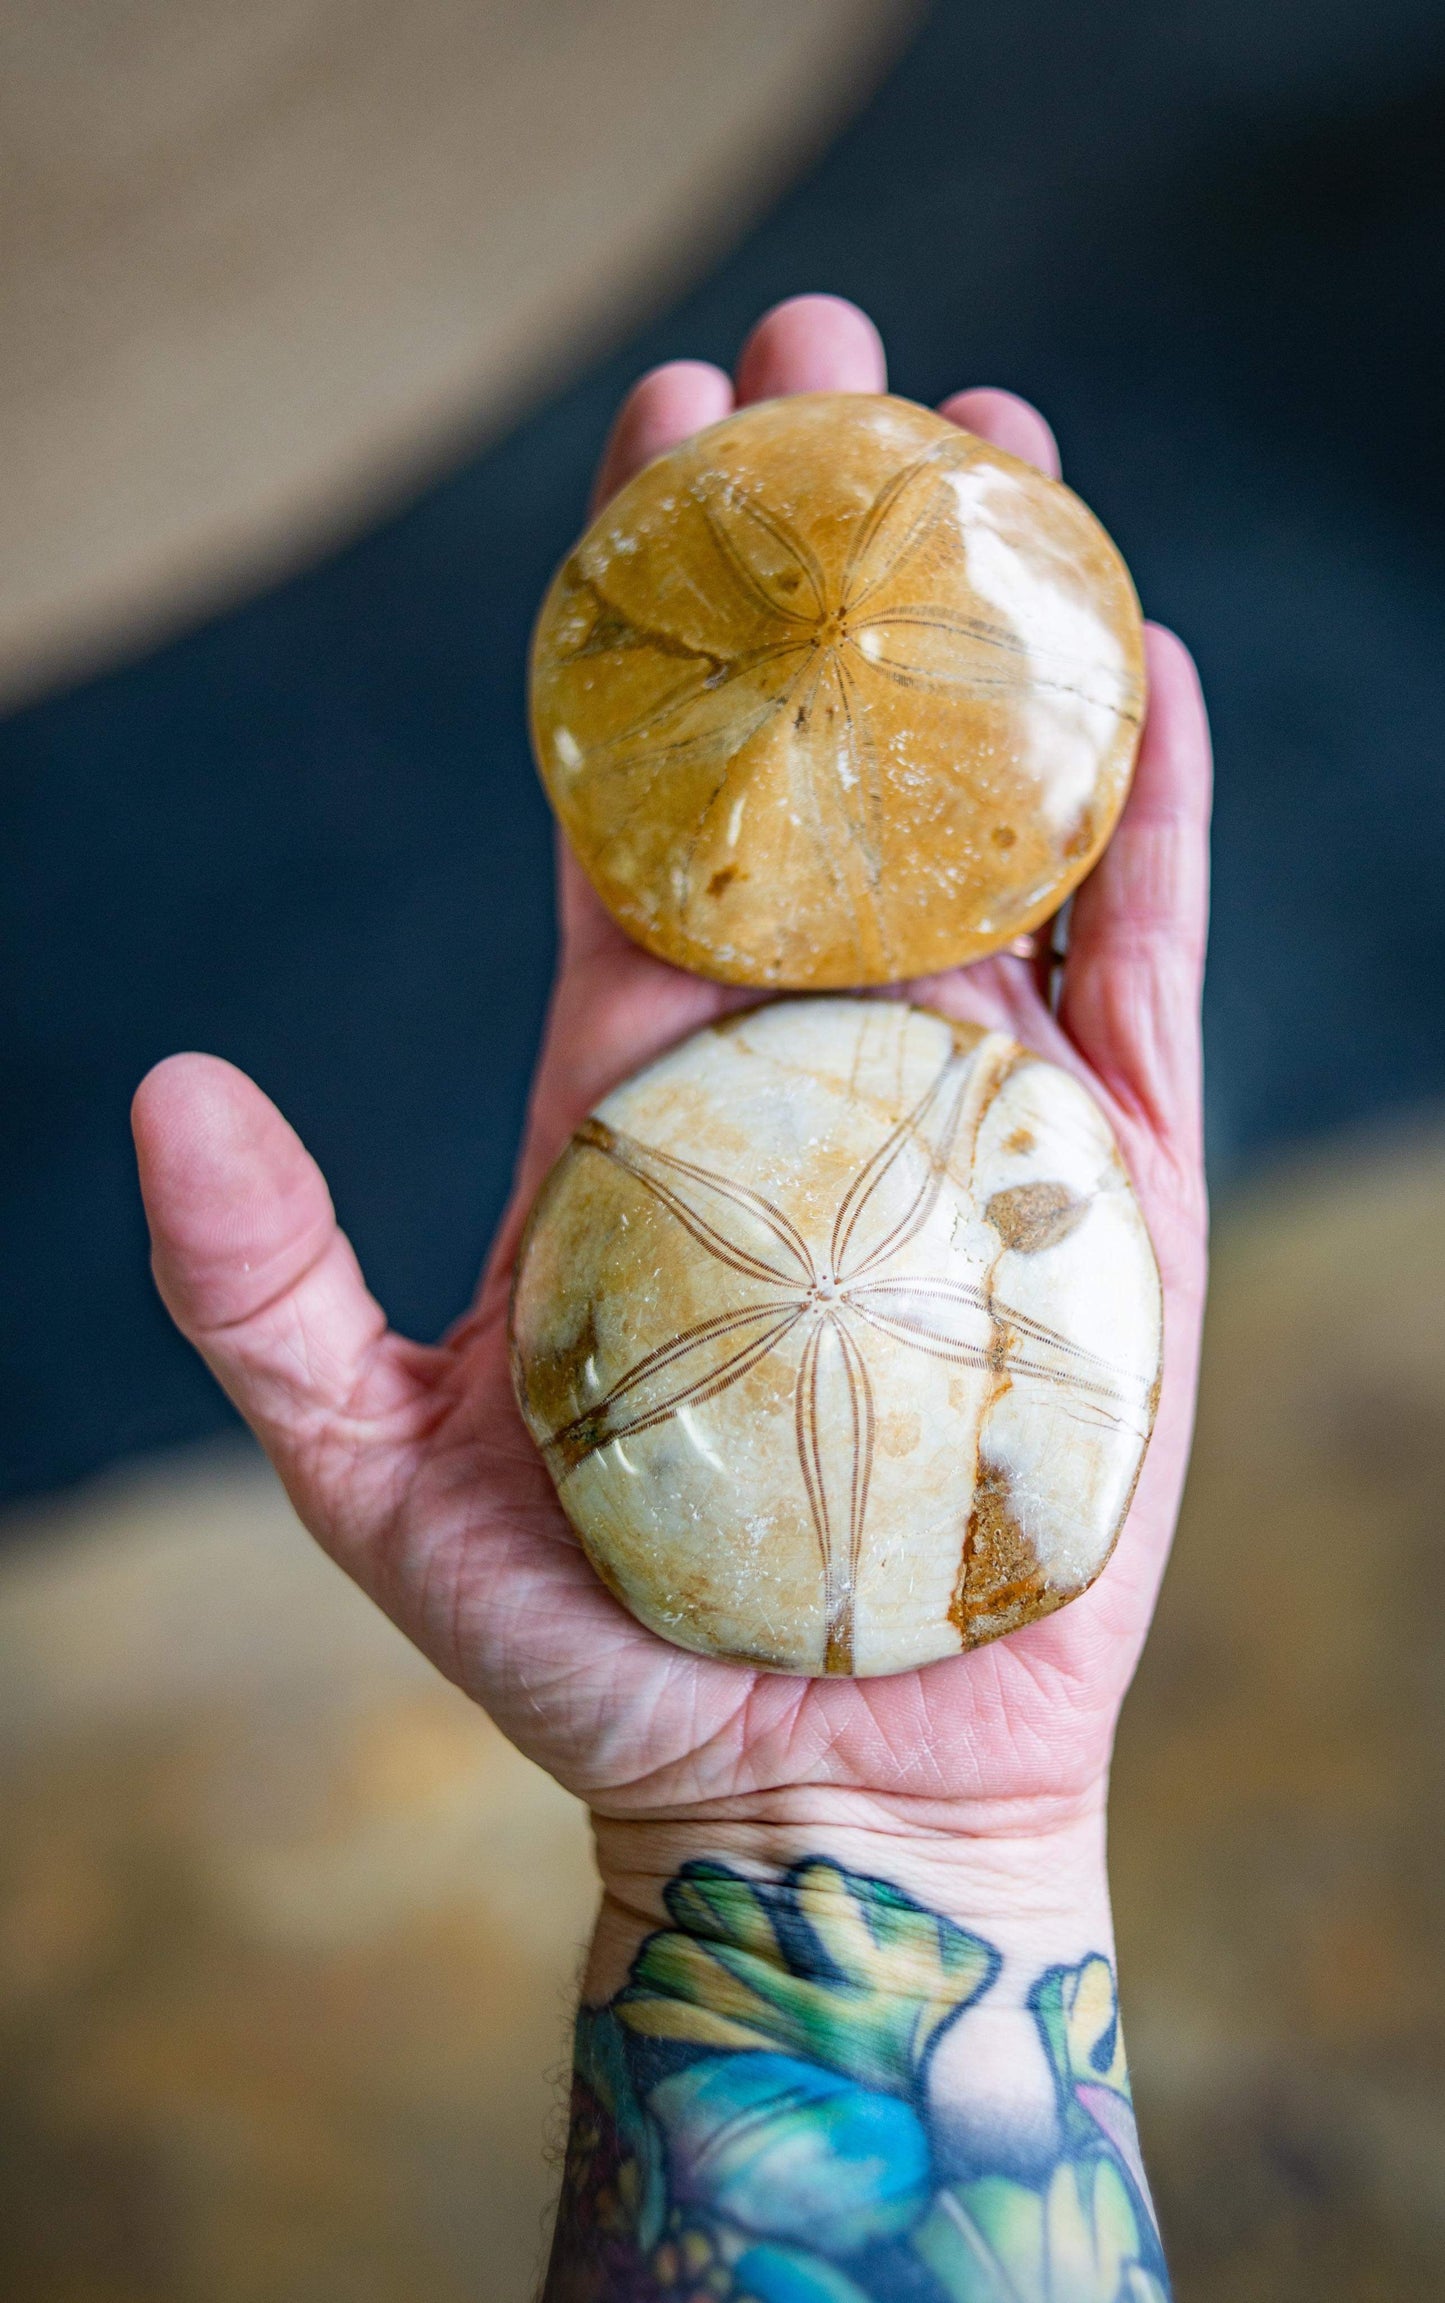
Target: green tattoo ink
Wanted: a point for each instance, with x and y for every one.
(751, 2120)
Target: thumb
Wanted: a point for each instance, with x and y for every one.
(256, 1273)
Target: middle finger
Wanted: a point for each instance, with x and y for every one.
(811, 344)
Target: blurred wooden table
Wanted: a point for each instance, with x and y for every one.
(288, 1933)
(1279, 1791)
(288, 1936)
(269, 268)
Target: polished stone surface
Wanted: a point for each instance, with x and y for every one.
(837, 694)
(839, 1330)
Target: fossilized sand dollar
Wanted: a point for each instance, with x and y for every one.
(837, 694)
(839, 1330)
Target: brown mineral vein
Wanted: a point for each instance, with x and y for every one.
(1001, 1582)
(964, 1292)
(613, 627)
(1006, 1364)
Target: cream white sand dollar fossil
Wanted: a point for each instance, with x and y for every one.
(839, 1330)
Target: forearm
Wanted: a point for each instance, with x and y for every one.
(839, 2065)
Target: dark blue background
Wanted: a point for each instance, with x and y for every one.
(1208, 239)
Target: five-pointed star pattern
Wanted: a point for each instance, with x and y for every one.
(826, 637)
(839, 1298)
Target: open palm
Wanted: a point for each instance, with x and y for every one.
(410, 1463)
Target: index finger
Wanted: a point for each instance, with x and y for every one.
(805, 344)
(665, 406)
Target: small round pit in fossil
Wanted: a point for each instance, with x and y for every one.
(839, 1330)
(837, 694)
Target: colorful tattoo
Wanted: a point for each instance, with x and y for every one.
(751, 2117)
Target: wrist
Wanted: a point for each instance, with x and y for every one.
(1034, 1883)
(833, 2058)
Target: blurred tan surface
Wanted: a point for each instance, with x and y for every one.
(264, 266)
(1279, 1792)
(288, 1935)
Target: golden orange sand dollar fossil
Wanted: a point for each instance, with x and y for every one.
(837, 694)
(839, 1330)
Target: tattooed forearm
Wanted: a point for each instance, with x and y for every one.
(754, 2117)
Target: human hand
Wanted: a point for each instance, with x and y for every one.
(833, 1871)
(410, 1463)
